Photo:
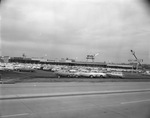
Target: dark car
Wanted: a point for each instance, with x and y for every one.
(25, 69)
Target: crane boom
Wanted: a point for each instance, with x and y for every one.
(96, 54)
(134, 54)
(137, 60)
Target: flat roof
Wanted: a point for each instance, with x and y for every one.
(118, 65)
(91, 63)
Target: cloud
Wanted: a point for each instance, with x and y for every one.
(72, 27)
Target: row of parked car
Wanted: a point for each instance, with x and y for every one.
(18, 67)
(89, 74)
(67, 71)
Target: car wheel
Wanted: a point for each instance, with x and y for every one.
(101, 76)
(91, 76)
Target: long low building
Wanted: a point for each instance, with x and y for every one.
(41, 61)
(120, 66)
(74, 63)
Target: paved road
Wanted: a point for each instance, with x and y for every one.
(116, 105)
(38, 88)
(135, 105)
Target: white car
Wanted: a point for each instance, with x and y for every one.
(2, 68)
(115, 74)
(101, 74)
(147, 73)
(89, 74)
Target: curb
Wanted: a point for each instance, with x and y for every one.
(29, 96)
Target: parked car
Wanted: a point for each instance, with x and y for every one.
(47, 68)
(146, 73)
(115, 74)
(9, 68)
(65, 73)
(101, 74)
(83, 73)
(72, 73)
(54, 69)
(89, 74)
(2, 68)
(25, 69)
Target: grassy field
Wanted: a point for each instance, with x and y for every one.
(46, 76)
(14, 76)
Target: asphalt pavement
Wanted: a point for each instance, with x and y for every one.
(75, 100)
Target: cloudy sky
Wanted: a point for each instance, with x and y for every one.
(75, 28)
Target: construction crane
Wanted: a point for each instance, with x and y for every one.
(92, 57)
(138, 61)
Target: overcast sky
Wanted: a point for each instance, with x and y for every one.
(75, 28)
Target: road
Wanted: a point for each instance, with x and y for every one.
(116, 105)
(63, 87)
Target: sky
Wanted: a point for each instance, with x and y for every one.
(56, 29)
